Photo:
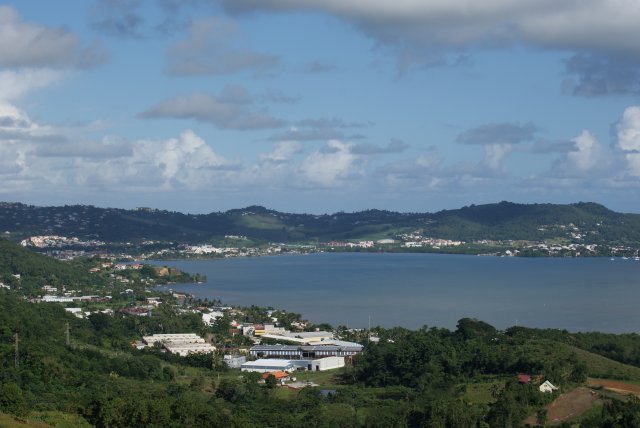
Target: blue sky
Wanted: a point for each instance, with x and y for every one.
(319, 105)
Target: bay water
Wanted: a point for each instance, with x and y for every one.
(414, 290)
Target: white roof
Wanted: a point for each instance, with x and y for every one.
(309, 334)
(271, 362)
(343, 343)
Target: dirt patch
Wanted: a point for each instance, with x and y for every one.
(615, 386)
(568, 405)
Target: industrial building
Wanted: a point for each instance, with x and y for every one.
(182, 344)
(328, 363)
(267, 365)
(234, 362)
(329, 348)
(301, 338)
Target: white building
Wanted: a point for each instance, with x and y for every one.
(56, 299)
(303, 338)
(75, 311)
(190, 348)
(182, 344)
(211, 317)
(234, 362)
(328, 363)
(180, 338)
(268, 365)
(547, 386)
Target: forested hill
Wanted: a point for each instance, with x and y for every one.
(501, 221)
(24, 269)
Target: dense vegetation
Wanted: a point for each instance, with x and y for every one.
(81, 372)
(409, 378)
(29, 271)
(502, 221)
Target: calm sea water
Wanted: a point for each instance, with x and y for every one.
(412, 290)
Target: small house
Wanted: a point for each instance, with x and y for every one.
(278, 374)
(547, 386)
(524, 379)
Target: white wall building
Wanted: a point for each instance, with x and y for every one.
(328, 363)
(211, 317)
(56, 299)
(268, 365)
(182, 344)
(234, 362)
(547, 386)
(190, 348)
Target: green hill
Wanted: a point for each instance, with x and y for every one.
(29, 271)
(592, 222)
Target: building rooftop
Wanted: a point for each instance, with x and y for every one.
(275, 348)
(272, 362)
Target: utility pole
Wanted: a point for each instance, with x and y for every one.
(17, 353)
(67, 338)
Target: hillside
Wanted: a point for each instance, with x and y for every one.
(582, 222)
(426, 377)
(29, 271)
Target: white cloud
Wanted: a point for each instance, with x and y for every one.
(495, 154)
(283, 152)
(587, 153)
(16, 83)
(629, 130)
(24, 44)
(186, 159)
(331, 166)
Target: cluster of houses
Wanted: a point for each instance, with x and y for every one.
(416, 240)
(207, 249)
(341, 244)
(55, 241)
(51, 296)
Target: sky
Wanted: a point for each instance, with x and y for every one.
(319, 105)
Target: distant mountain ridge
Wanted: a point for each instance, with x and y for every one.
(499, 221)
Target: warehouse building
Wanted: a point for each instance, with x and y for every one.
(266, 365)
(333, 348)
(181, 344)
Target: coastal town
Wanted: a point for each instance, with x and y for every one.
(268, 347)
(65, 248)
(110, 308)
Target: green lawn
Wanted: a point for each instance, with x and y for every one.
(480, 393)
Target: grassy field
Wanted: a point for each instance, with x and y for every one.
(602, 367)
(480, 393)
(8, 421)
(597, 365)
(256, 221)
